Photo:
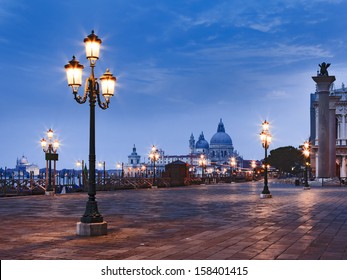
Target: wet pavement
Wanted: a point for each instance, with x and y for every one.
(218, 222)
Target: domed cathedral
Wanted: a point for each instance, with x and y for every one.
(221, 146)
(220, 149)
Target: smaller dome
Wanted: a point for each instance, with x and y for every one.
(23, 160)
(201, 143)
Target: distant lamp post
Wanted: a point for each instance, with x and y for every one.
(254, 166)
(306, 153)
(118, 169)
(154, 156)
(103, 165)
(265, 138)
(202, 164)
(92, 222)
(233, 164)
(50, 147)
(143, 170)
(80, 164)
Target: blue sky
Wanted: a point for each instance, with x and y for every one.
(180, 67)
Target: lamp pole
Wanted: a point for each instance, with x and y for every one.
(265, 138)
(232, 168)
(50, 148)
(154, 156)
(93, 93)
(253, 165)
(306, 153)
(202, 163)
(103, 165)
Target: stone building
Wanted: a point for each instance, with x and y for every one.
(336, 155)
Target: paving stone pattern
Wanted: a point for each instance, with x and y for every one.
(197, 222)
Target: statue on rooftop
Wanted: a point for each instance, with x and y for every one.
(323, 69)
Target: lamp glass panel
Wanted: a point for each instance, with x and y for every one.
(108, 86)
(92, 49)
(74, 76)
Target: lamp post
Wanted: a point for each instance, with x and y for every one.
(232, 167)
(80, 164)
(265, 138)
(254, 166)
(306, 153)
(50, 148)
(103, 165)
(154, 156)
(92, 221)
(143, 170)
(202, 163)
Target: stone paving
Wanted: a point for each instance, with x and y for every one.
(217, 222)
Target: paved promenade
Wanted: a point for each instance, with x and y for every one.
(198, 222)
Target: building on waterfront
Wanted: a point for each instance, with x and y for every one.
(134, 167)
(23, 165)
(217, 153)
(337, 128)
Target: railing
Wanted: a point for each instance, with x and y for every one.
(20, 186)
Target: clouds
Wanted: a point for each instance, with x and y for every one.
(180, 67)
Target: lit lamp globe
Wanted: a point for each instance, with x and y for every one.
(108, 84)
(92, 44)
(74, 74)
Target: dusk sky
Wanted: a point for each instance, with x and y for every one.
(181, 66)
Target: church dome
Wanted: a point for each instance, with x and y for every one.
(23, 160)
(221, 138)
(201, 143)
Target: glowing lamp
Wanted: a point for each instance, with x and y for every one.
(108, 84)
(50, 133)
(43, 143)
(56, 145)
(74, 74)
(92, 44)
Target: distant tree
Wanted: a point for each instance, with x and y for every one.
(286, 159)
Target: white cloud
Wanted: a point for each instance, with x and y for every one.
(277, 94)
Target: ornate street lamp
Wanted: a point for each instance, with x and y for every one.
(50, 148)
(202, 163)
(306, 153)
(92, 217)
(154, 156)
(265, 138)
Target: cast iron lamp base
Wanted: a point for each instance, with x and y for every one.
(265, 195)
(91, 229)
